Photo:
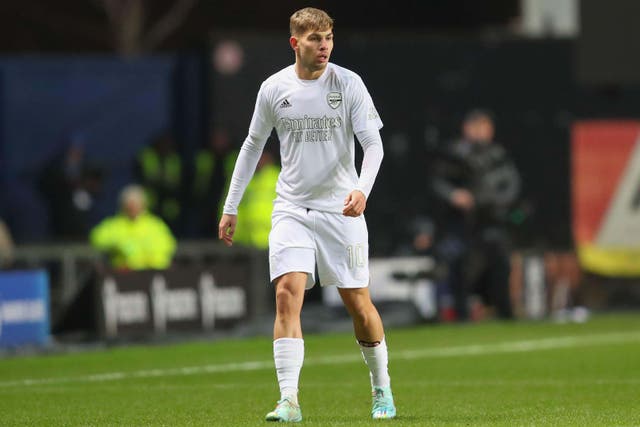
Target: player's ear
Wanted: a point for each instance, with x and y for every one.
(293, 42)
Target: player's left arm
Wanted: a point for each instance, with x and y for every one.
(366, 124)
(356, 202)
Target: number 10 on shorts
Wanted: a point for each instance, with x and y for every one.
(356, 255)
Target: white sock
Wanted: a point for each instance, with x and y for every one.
(377, 359)
(288, 354)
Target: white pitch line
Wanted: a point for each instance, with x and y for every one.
(457, 351)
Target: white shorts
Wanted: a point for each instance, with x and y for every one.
(302, 239)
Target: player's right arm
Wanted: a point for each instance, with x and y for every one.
(261, 125)
(227, 228)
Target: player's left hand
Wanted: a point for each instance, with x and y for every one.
(354, 204)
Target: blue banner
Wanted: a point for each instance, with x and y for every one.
(24, 308)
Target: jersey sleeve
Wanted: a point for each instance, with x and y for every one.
(262, 123)
(364, 115)
(371, 143)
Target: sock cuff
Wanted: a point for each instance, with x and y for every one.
(288, 341)
(382, 343)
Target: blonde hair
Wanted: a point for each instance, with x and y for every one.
(307, 19)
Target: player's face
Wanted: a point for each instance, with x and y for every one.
(313, 49)
(133, 207)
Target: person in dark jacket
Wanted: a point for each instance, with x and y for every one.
(70, 185)
(476, 183)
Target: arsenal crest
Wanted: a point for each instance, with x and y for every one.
(334, 99)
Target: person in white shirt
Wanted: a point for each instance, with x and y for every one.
(316, 108)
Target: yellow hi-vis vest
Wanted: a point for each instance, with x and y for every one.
(143, 243)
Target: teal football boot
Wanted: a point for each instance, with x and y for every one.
(383, 407)
(286, 411)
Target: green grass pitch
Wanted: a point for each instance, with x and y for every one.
(526, 373)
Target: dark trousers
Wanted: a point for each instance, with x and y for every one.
(478, 264)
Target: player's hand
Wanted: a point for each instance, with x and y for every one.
(354, 204)
(226, 228)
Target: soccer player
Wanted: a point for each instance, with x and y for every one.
(316, 108)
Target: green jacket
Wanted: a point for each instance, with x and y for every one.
(140, 244)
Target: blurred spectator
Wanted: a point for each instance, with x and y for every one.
(476, 182)
(430, 295)
(6, 246)
(419, 237)
(134, 238)
(254, 212)
(212, 169)
(423, 232)
(69, 185)
(158, 168)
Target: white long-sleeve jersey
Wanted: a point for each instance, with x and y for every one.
(315, 121)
